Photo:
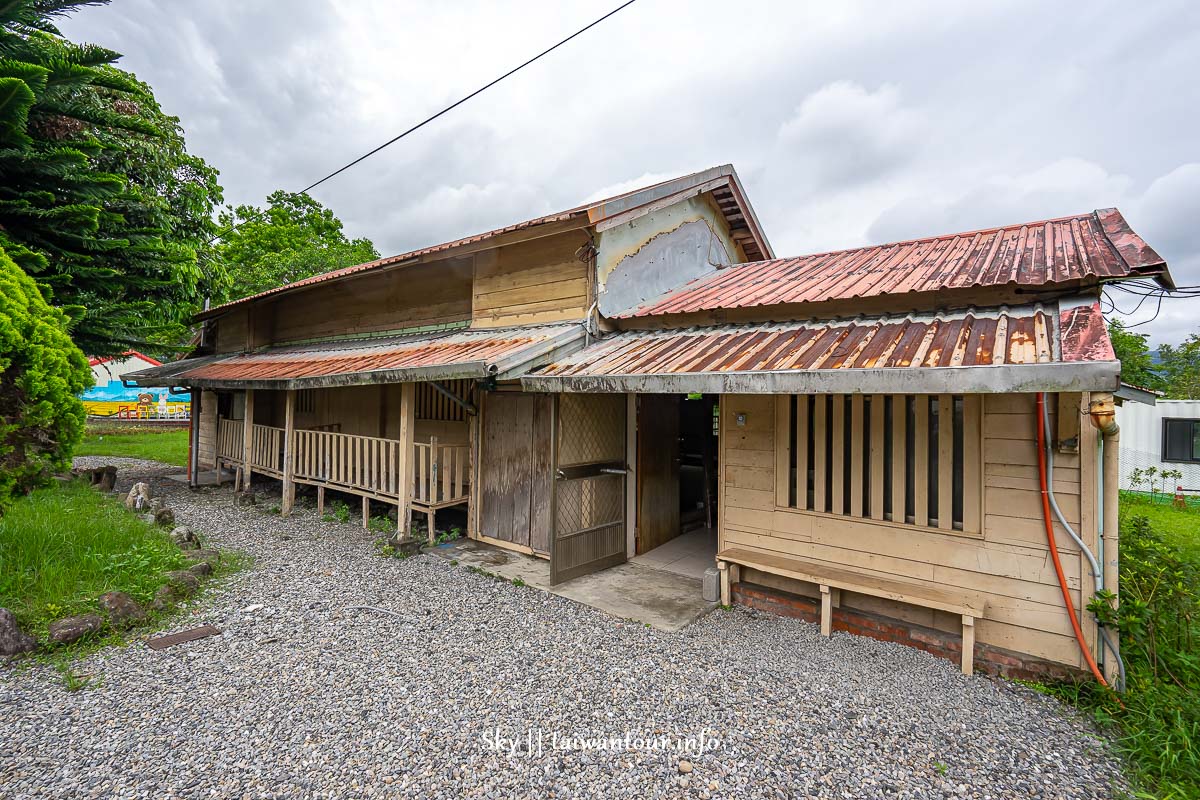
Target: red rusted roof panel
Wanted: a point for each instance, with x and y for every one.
(403, 352)
(1004, 336)
(1095, 246)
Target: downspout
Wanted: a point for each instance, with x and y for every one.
(1104, 418)
(1049, 523)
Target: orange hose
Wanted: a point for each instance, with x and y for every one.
(1062, 579)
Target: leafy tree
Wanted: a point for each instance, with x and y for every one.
(1181, 368)
(99, 201)
(293, 238)
(41, 372)
(1133, 351)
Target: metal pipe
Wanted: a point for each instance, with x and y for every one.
(1103, 413)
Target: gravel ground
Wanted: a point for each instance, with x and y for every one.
(477, 688)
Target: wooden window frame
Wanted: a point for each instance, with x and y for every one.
(792, 496)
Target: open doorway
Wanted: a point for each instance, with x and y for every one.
(677, 482)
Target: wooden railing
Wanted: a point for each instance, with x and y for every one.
(363, 463)
(441, 472)
(266, 450)
(229, 439)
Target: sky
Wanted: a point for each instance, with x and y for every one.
(849, 123)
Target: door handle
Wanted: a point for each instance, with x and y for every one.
(614, 471)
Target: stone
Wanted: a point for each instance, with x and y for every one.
(407, 545)
(201, 569)
(156, 504)
(164, 517)
(71, 629)
(122, 610)
(102, 478)
(13, 640)
(138, 497)
(182, 583)
(213, 557)
(163, 599)
(185, 538)
(243, 498)
(685, 766)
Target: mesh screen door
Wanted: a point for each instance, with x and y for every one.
(589, 486)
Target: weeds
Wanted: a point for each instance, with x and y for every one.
(338, 511)
(1157, 721)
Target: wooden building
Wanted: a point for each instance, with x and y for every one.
(852, 436)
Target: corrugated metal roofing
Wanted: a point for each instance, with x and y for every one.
(429, 356)
(736, 208)
(913, 344)
(1098, 246)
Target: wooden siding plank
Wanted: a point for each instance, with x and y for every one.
(800, 445)
(783, 449)
(837, 466)
(945, 462)
(820, 470)
(856, 456)
(921, 459)
(877, 462)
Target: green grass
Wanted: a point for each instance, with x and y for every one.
(1181, 527)
(169, 447)
(1156, 723)
(63, 546)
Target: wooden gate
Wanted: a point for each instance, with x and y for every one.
(515, 470)
(589, 487)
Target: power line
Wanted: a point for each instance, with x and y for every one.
(445, 110)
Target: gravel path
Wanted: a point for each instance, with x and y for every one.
(305, 698)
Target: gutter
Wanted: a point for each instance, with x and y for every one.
(991, 379)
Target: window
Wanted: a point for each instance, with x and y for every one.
(1181, 440)
(306, 401)
(911, 459)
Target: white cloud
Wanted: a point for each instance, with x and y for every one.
(843, 135)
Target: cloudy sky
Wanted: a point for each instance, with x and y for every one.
(849, 122)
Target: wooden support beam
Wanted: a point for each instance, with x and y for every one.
(404, 469)
(826, 612)
(968, 645)
(800, 443)
(289, 452)
(819, 466)
(247, 439)
(837, 466)
(921, 459)
(723, 568)
(899, 454)
(877, 465)
(972, 462)
(465, 405)
(856, 456)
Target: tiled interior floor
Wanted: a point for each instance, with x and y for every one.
(687, 554)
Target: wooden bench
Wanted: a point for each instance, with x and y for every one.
(969, 605)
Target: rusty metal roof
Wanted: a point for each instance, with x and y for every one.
(864, 351)
(440, 355)
(743, 224)
(1083, 248)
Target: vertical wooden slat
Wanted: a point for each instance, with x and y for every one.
(972, 462)
(783, 449)
(877, 465)
(800, 445)
(289, 452)
(837, 467)
(921, 459)
(404, 472)
(899, 457)
(459, 462)
(946, 461)
(856, 456)
(820, 471)
(435, 474)
(248, 438)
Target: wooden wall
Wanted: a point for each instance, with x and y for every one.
(405, 297)
(1009, 561)
(531, 282)
(357, 410)
(231, 332)
(206, 450)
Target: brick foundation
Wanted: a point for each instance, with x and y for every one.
(988, 658)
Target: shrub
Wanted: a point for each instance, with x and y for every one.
(1158, 619)
(41, 372)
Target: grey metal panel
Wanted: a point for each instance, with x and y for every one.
(1000, 379)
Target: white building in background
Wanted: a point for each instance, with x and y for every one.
(1165, 435)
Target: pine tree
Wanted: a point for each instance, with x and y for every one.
(88, 162)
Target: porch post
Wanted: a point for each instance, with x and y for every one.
(289, 452)
(247, 438)
(404, 473)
